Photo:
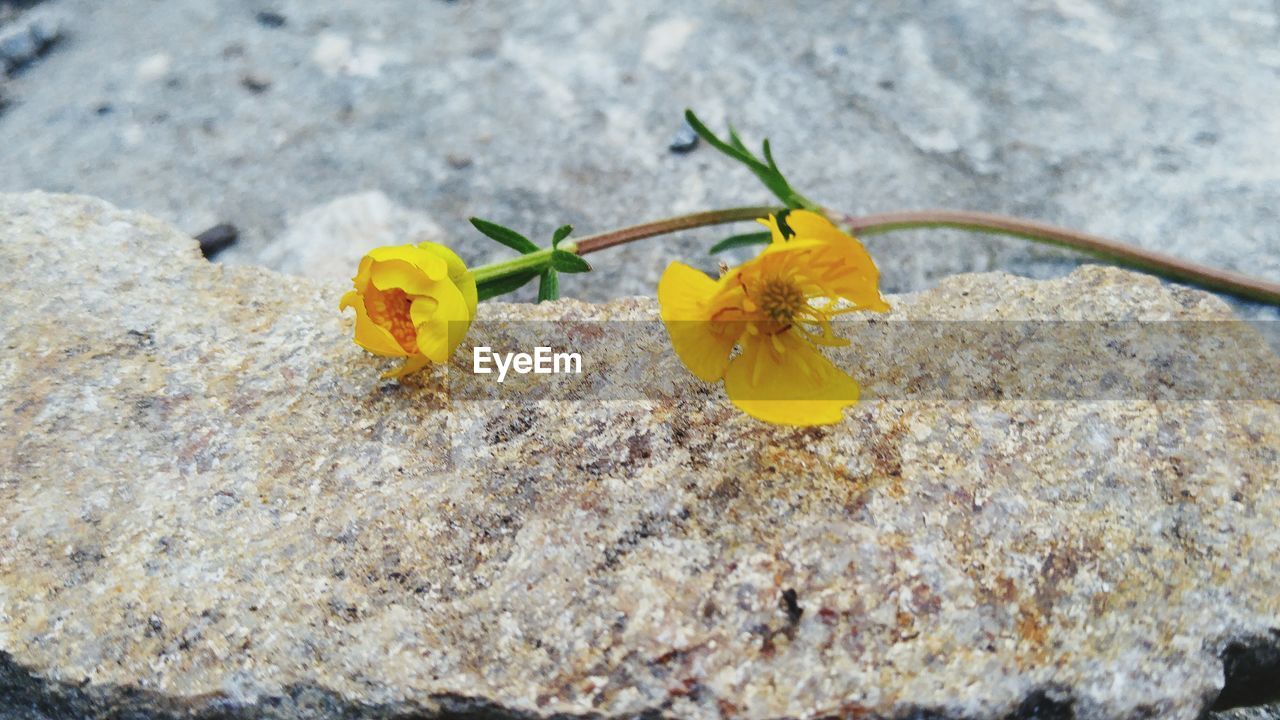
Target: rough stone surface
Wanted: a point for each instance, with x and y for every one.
(210, 504)
(1152, 122)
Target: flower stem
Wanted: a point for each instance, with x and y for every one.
(525, 264)
(592, 243)
(1156, 263)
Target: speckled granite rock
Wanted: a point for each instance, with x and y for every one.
(210, 505)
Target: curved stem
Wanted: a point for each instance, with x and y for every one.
(592, 243)
(528, 263)
(1157, 263)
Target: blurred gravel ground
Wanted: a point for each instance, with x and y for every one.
(1158, 123)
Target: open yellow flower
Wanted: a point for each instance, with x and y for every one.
(777, 308)
(412, 301)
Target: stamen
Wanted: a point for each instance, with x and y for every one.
(389, 309)
(780, 299)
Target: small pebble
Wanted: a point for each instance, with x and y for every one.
(254, 83)
(217, 238)
(685, 140)
(17, 47)
(269, 19)
(458, 161)
(26, 40)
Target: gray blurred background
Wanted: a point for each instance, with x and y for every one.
(319, 127)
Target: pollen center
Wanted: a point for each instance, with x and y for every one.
(390, 309)
(780, 299)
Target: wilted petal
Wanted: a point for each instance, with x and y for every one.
(702, 344)
(784, 380)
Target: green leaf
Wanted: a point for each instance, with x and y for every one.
(737, 241)
(768, 158)
(736, 141)
(561, 233)
(568, 262)
(740, 155)
(549, 286)
(502, 286)
(767, 171)
(505, 235)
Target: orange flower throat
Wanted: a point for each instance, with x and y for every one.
(390, 309)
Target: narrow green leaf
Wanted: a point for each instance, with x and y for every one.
(548, 286)
(561, 233)
(568, 262)
(737, 241)
(502, 286)
(768, 158)
(743, 157)
(505, 235)
(736, 141)
(767, 172)
(783, 225)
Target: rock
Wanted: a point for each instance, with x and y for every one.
(326, 242)
(685, 140)
(217, 238)
(210, 505)
(269, 19)
(26, 39)
(255, 83)
(1147, 122)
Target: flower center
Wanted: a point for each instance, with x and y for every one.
(780, 299)
(390, 309)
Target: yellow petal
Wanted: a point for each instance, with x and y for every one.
(841, 267)
(847, 271)
(430, 264)
(458, 273)
(370, 335)
(775, 230)
(412, 364)
(785, 381)
(467, 286)
(453, 264)
(399, 274)
(703, 345)
(361, 280)
(441, 320)
(809, 225)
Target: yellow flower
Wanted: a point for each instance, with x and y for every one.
(776, 308)
(412, 301)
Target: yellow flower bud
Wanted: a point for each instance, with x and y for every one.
(412, 301)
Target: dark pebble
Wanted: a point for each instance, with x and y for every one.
(790, 604)
(255, 83)
(24, 42)
(268, 19)
(458, 162)
(685, 140)
(217, 238)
